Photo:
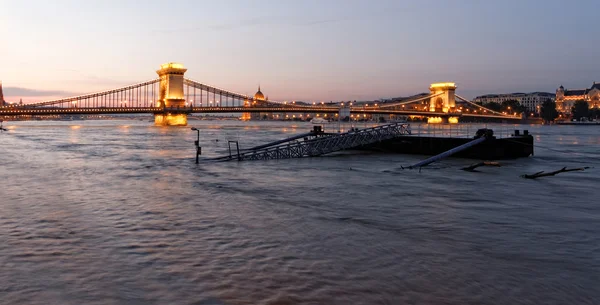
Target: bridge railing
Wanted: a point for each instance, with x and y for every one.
(461, 130)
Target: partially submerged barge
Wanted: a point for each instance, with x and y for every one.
(515, 145)
(392, 138)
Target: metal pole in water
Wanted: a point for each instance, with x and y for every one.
(197, 144)
(448, 153)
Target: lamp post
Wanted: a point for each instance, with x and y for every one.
(197, 143)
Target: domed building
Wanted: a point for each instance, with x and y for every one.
(259, 95)
(254, 116)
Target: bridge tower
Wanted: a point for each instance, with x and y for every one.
(171, 96)
(444, 101)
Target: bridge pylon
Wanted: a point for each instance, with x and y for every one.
(443, 100)
(171, 96)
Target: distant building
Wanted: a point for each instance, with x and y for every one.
(2, 101)
(530, 100)
(566, 98)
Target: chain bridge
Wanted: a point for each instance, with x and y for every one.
(172, 97)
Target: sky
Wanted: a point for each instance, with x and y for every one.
(307, 50)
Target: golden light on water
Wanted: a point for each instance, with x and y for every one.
(434, 120)
(170, 119)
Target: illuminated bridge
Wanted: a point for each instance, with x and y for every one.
(171, 97)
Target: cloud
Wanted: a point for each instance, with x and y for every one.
(257, 22)
(281, 21)
(86, 78)
(26, 92)
(245, 23)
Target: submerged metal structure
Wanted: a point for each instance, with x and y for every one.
(321, 144)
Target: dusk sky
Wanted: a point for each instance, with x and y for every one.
(304, 50)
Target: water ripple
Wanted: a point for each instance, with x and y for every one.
(96, 216)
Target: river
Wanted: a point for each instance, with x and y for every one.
(116, 212)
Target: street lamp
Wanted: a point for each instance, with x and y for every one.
(197, 143)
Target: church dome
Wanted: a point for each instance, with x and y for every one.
(259, 95)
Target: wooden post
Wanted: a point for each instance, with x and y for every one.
(562, 170)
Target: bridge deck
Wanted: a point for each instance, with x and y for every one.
(20, 111)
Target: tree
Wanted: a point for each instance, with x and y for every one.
(595, 113)
(493, 106)
(511, 106)
(548, 111)
(581, 109)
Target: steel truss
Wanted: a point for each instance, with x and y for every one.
(326, 144)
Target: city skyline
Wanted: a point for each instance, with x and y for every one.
(334, 50)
